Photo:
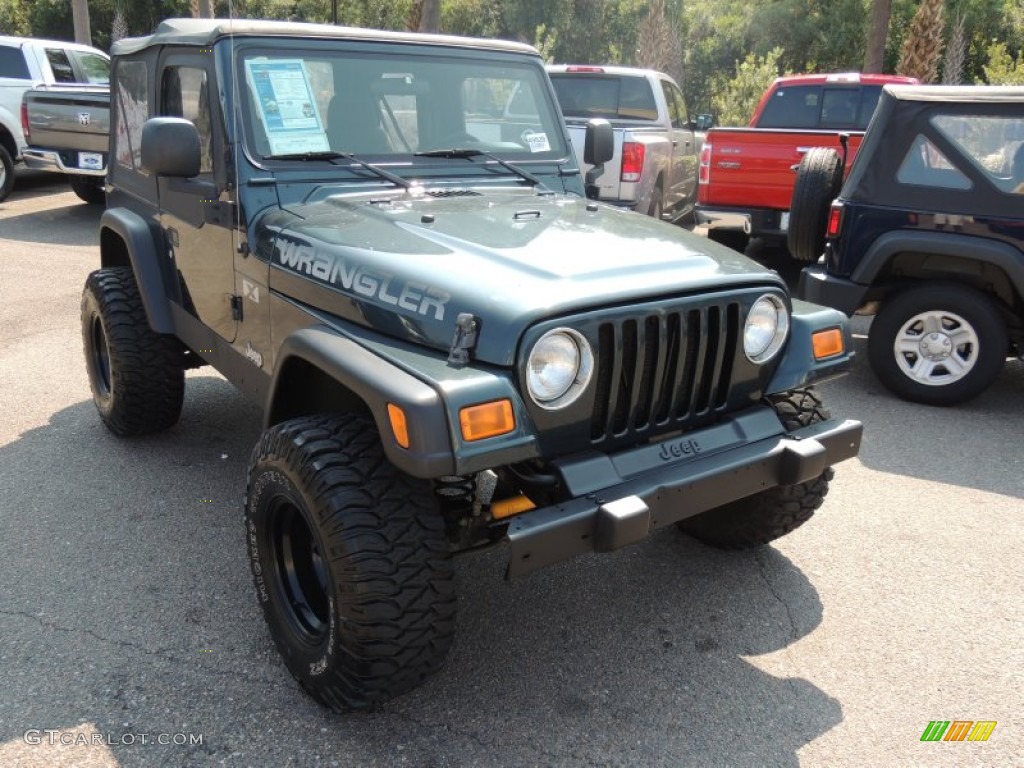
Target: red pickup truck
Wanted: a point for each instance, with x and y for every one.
(746, 175)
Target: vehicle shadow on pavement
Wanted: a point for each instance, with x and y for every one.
(924, 441)
(73, 224)
(129, 610)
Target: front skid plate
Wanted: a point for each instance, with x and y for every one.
(674, 492)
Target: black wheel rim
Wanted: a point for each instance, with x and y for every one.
(300, 571)
(100, 357)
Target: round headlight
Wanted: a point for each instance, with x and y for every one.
(559, 367)
(766, 328)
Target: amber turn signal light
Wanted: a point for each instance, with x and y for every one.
(486, 420)
(398, 425)
(827, 343)
(508, 507)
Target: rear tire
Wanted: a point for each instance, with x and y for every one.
(657, 207)
(89, 189)
(938, 343)
(6, 172)
(756, 520)
(818, 181)
(136, 375)
(350, 561)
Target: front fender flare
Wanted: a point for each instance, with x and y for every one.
(798, 368)
(376, 382)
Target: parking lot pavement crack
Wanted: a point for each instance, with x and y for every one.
(793, 630)
(165, 654)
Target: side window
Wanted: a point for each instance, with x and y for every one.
(132, 111)
(795, 106)
(184, 93)
(95, 69)
(61, 66)
(993, 143)
(12, 63)
(684, 114)
(926, 166)
(673, 105)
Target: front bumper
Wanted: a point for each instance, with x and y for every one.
(818, 286)
(618, 499)
(60, 162)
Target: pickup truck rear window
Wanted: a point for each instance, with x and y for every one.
(12, 63)
(816, 106)
(611, 97)
(61, 67)
(95, 69)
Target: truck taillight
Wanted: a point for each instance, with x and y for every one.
(835, 220)
(704, 169)
(632, 160)
(24, 121)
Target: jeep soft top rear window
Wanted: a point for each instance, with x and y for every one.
(608, 96)
(322, 100)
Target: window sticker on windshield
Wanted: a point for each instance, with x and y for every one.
(537, 142)
(285, 105)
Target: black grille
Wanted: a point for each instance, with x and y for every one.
(457, 192)
(663, 371)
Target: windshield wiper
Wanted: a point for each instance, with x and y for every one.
(332, 155)
(468, 153)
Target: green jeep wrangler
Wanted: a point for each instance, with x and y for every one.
(384, 238)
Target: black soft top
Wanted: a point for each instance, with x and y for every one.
(904, 112)
(207, 31)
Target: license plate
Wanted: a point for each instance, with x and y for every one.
(90, 161)
(784, 222)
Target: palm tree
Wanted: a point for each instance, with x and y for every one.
(874, 57)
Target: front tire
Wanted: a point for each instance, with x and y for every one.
(938, 343)
(137, 376)
(6, 172)
(89, 189)
(350, 561)
(756, 520)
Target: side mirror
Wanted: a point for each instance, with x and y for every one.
(170, 147)
(599, 145)
(703, 122)
(598, 148)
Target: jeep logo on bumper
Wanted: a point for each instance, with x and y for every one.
(678, 449)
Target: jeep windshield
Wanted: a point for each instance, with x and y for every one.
(316, 103)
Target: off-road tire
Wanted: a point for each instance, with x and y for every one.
(818, 181)
(137, 375)
(350, 561)
(6, 172)
(89, 189)
(770, 514)
(954, 302)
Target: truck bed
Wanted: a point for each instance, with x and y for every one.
(68, 120)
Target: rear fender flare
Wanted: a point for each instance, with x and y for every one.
(144, 255)
(965, 247)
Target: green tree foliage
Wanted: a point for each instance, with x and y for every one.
(737, 97)
(1002, 68)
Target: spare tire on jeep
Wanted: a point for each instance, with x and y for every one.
(818, 180)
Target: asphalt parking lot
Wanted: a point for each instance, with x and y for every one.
(128, 618)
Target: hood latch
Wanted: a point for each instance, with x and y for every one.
(467, 327)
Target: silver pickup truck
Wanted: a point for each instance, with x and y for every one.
(654, 168)
(67, 128)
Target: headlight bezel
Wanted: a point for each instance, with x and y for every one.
(767, 351)
(585, 365)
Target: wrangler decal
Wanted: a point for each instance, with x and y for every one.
(334, 270)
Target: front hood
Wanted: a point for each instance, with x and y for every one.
(409, 266)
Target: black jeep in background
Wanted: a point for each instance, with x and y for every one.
(928, 232)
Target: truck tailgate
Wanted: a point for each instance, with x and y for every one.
(69, 121)
(753, 167)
